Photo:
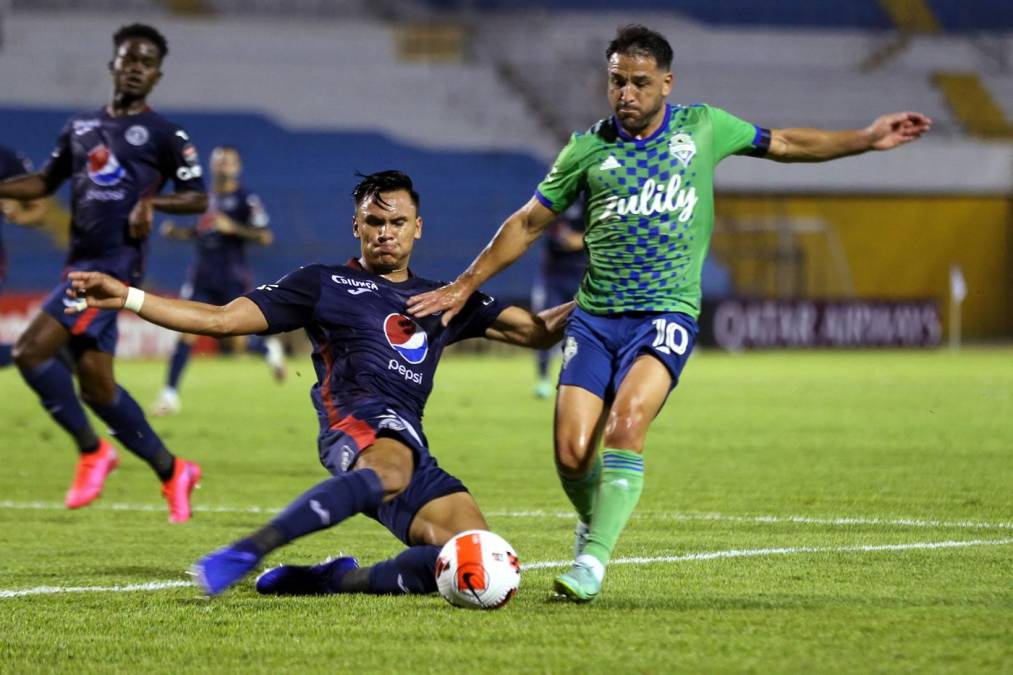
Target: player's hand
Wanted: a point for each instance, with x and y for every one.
(224, 224)
(94, 289)
(141, 217)
(448, 299)
(889, 131)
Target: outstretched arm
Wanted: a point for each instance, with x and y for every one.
(817, 145)
(514, 237)
(26, 187)
(242, 316)
(517, 326)
(186, 202)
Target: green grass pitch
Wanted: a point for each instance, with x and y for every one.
(804, 512)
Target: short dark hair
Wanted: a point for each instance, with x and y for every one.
(391, 180)
(637, 40)
(144, 32)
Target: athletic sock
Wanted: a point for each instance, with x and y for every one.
(256, 345)
(322, 506)
(177, 363)
(583, 491)
(54, 384)
(412, 571)
(127, 423)
(6, 355)
(622, 480)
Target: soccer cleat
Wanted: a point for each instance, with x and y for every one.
(216, 571)
(543, 389)
(580, 536)
(275, 358)
(579, 584)
(90, 476)
(322, 579)
(167, 403)
(176, 490)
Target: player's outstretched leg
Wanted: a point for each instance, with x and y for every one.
(641, 394)
(322, 506)
(578, 427)
(117, 408)
(410, 572)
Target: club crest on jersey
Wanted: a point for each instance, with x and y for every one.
(137, 135)
(406, 338)
(103, 168)
(682, 147)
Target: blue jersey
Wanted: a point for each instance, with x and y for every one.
(221, 258)
(113, 162)
(366, 350)
(11, 164)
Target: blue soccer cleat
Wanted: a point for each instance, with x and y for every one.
(217, 571)
(322, 579)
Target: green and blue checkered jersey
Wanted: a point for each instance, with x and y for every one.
(650, 205)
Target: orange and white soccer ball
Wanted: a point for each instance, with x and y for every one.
(478, 570)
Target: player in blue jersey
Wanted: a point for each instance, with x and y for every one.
(375, 368)
(118, 159)
(558, 278)
(13, 164)
(220, 272)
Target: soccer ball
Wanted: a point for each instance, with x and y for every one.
(478, 570)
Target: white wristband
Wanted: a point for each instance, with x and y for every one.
(135, 299)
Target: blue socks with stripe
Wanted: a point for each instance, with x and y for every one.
(53, 382)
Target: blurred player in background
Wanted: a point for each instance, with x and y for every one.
(647, 174)
(558, 278)
(118, 159)
(13, 164)
(375, 369)
(220, 273)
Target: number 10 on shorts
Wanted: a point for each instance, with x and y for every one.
(671, 338)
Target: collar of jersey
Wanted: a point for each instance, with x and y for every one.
(641, 142)
(357, 266)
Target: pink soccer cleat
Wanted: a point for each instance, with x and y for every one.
(176, 490)
(90, 476)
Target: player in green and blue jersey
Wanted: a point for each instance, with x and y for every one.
(647, 175)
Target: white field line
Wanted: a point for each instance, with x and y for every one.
(843, 521)
(760, 552)
(711, 555)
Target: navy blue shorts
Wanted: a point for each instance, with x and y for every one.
(92, 329)
(340, 447)
(221, 294)
(599, 350)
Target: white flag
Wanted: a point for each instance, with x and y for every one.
(958, 287)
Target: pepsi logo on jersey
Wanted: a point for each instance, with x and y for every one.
(406, 338)
(103, 167)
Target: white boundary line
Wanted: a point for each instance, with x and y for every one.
(843, 521)
(711, 555)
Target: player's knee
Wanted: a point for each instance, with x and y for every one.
(626, 428)
(573, 457)
(26, 352)
(394, 479)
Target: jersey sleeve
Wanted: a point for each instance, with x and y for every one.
(734, 136)
(258, 215)
(290, 302)
(561, 187)
(477, 314)
(179, 162)
(60, 164)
